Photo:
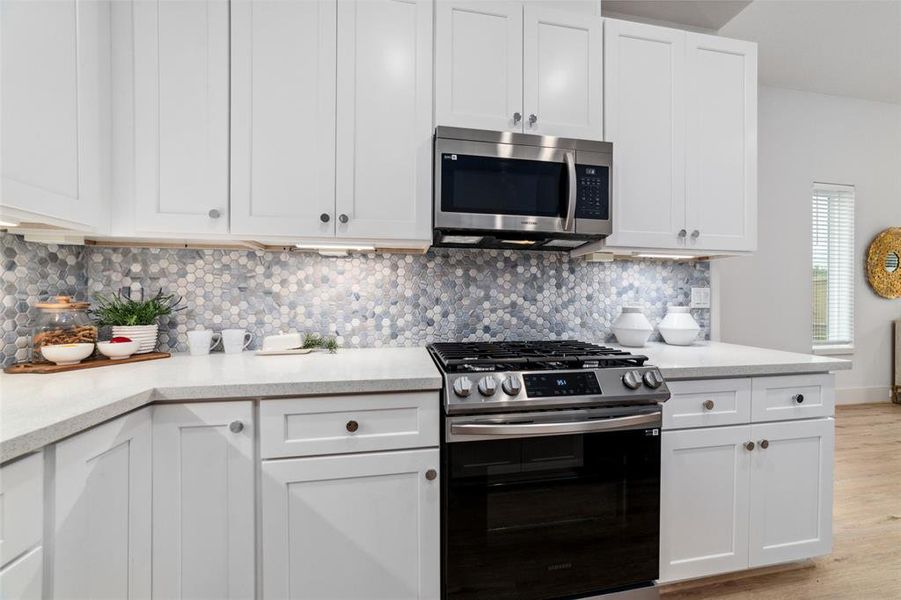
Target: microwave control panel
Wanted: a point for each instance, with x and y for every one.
(593, 196)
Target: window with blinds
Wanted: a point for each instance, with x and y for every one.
(833, 265)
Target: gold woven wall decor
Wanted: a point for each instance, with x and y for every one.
(883, 270)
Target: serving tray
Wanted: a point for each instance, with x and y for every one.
(88, 363)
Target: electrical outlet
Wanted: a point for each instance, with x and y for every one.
(700, 297)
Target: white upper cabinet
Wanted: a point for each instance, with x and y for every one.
(180, 116)
(54, 109)
(791, 491)
(478, 65)
(721, 147)
(203, 501)
(101, 506)
(644, 105)
(562, 73)
(283, 117)
(384, 141)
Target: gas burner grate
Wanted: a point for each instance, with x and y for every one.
(528, 356)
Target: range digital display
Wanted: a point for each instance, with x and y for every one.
(543, 385)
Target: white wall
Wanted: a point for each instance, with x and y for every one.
(765, 298)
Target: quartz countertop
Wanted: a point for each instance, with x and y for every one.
(36, 410)
(717, 359)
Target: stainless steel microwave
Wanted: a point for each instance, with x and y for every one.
(511, 190)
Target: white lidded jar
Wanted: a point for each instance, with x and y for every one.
(678, 327)
(632, 328)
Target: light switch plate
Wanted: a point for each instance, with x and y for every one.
(700, 297)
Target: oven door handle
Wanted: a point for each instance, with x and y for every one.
(532, 429)
(569, 222)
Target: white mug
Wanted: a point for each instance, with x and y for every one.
(236, 340)
(201, 341)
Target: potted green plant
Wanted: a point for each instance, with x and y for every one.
(135, 319)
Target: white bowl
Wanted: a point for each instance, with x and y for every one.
(119, 350)
(67, 354)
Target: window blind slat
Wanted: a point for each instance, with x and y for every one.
(832, 222)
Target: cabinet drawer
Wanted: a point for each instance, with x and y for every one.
(343, 424)
(707, 402)
(22, 579)
(792, 397)
(21, 506)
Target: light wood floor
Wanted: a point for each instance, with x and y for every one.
(866, 560)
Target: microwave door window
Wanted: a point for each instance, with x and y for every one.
(502, 186)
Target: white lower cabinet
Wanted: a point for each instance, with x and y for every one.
(101, 511)
(705, 497)
(791, 491)
(203, 501)
(353, 526)
(23, 578)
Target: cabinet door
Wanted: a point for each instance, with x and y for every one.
(181, 116)
(385, 119)
(102, 511)
(23, 578)
(357, 526)
(283, 117)
(721, 149)
(562, 73)
(53, 106)
(203, 501)
(478, 64)
(704, 502)
(791, 491)
(644, 104)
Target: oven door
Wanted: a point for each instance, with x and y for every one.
(551, 505)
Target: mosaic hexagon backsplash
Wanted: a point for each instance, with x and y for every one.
(364, 300)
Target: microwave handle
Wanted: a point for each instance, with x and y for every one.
(569, 223)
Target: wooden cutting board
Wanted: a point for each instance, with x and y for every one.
(90, 363)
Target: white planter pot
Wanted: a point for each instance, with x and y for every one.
(632, 328)
(678, 327)
(146, 336)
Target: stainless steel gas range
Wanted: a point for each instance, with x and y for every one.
(551, 471)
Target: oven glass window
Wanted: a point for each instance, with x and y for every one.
(502, 186)
(549, 517)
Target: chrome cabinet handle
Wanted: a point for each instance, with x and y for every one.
(236, 426)
(325, 217)
(695, 234)
(568, 223)
(682, 233)
(764, 444)
(352, 426)
(431, 474)
(708, 404)
(517, 117)
(214, 213)
(749, 446)
(533, 119)
(799, 398)
(343, 218)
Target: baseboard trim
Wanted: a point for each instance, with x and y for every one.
(863, 395)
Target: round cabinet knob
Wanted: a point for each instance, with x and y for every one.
(511, 386)
(352, 426)
(517, 117)
(533, 119)
(632, 380)
(708, 404)
(695, 234)
(749, 446)
(487, 386)
(325, 217)
(431, 474)
(236, 426)
(214, 213)
(764, 444)
(799, 398)
(682, 233)
(652, 379)
(343, 218)
(463, 387)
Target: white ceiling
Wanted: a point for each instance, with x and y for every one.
(838, 47)
(701, 14)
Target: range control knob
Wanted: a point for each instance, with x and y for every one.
(632, 380)
(487, 385)
(511, 386)
(463, 387)
(652, 379)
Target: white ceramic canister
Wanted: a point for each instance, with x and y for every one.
(678, 327)
(632, 328)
